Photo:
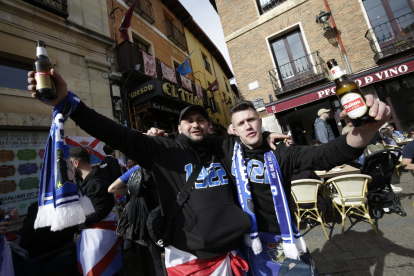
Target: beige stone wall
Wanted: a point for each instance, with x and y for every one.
(78, 47)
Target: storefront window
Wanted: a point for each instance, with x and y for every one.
(21, 157)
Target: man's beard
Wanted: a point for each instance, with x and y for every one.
(77, 172)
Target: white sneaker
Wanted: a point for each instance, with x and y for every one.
(396, 189)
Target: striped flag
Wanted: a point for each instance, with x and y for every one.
(181, 263)
(99, 249)
(91, 144)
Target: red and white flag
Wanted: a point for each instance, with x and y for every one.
(181, 263)
(214, 86)
(126, 22)
(99, 249)
(91, 144)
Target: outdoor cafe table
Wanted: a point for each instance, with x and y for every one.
(404, 142)
(347, 169)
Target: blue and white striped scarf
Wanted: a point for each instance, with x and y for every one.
(62, 203)
(293, 243)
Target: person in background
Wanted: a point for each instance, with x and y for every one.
(110, 164)
(408, 156)
(387, 136)
(98, 231)
(395, 134)
(411, 130)
(230, 129)
(130, 164)
(323, 130)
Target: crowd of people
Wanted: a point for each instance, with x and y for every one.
(209, 205)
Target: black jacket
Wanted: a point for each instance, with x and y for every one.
(95, 186)
(210, 223)
(111, 165)
(324, 157)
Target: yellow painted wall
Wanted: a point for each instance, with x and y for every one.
(202, 76)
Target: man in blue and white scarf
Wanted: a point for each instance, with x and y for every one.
(262, 174)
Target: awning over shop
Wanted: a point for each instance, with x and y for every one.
(363, 79)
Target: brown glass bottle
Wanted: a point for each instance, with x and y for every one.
(350, 95)
(45, 87)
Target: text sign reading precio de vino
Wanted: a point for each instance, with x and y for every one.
(388, 73)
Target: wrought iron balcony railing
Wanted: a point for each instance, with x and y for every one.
(267, 5)
(298, 73)
(175, 35)
(392, 37)
(57, 7)
(143, 8)
(207, 66)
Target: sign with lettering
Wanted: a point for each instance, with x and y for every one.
(155, 89)
(7, 170)
(7, 186)
(163, 107)
(26, 154)
(6, 155)
(19, 177)
(28, 183)
(381, 75)
(27, 168)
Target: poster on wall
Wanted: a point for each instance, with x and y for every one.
(21, 157)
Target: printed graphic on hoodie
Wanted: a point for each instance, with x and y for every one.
(212, 176)
(256, 171)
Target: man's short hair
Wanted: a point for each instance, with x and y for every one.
(411, 129)
(391, 125)
(80, 154)
(315, 142)
(241, 106)
(107, 149)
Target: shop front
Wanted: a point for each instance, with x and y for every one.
(392, 83)
(157, 103)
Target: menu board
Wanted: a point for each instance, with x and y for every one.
(21, 157)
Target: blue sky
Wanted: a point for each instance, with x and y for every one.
(207, 18)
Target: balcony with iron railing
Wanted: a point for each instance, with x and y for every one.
(175, 35)
(143, 8)
(267, 5)
(392, 37)
(298, 73)
(57, 7)
(207, 65)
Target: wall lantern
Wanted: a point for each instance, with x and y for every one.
(323, 18)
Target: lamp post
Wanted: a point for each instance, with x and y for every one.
(323, 19)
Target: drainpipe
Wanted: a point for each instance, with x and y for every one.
(339, 38)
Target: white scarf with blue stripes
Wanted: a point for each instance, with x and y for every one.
(62, 203)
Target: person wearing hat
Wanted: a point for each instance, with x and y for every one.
(209, 226)
(323, 130)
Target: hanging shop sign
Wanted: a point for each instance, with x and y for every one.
(157, 89)
(388, 73)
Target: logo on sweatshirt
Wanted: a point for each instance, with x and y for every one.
(212, 176)
(256, 171)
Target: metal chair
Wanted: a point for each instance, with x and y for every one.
(306, 191)
(351, 197)
(399, 164)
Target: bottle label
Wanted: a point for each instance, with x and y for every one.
(41, 51)
(43, 80)
(337, 72)
(354, 105)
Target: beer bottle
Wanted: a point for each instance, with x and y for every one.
(350, 96)
(45, 87)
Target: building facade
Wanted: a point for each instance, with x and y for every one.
(78, 44)
(148, 89)
(279, 50)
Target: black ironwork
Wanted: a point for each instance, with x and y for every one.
(392, 37)
(175, 35)
(143, 8)
(57, 7)
(298, 73)
(267, 5)
(207, 65)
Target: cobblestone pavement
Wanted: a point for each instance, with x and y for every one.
(360, 251)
